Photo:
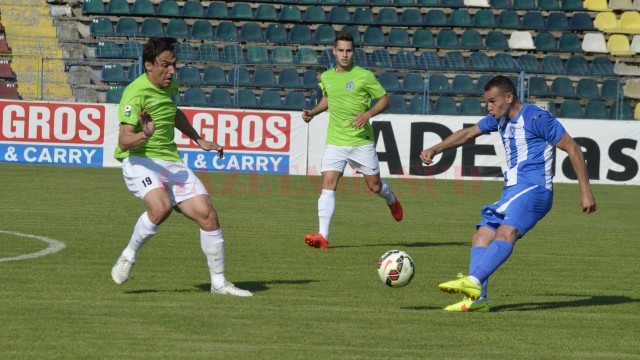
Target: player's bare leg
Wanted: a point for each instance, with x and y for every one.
(380, 187)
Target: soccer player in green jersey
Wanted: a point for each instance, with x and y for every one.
(348, 90)
(153, 170)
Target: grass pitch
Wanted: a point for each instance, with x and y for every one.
(565, 292)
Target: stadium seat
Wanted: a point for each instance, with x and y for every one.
(101, 27)
(241, 11)
(189, 76)
(430, 61)
(596, 109)
(413, 83)
(460, 18)
(471, 107)
(411, 17)
(93, 7)
(601, 65)
(266, 12)
(380, 58)
(208, 53)
(618, 45)
(307, 56)
(214, 76)
(314, 15)
(194, 97)
(570, 109)
(217, 10)
(271, 99)
(462, 84)
(295, 100)
(521, 40)
(524, 4)
(471, 40)
(452, 3)
(360, 58)
(239, 76)
(246, 99)
(113, 73)
(428, 3)
(631, 88)
(143, 8)
(569, 42)
(132, 50)
(324, 35)
(276, 34)
(445, 105)
(114, 93)
(374, 36)
(500, 4)
(329, 60)
(220, 98)
(126, 27)
(436, 18)
(552, 64)
(168, 8)
(606, 22)
(577, 65)
(482, 81)
(563, 87)
(282, 55)
(571, 5)
(257, 54)
(363, 16)
(339, 15)
(178, 29)
(357, 2)
(118, 7)
(193, 9)
(133, 72)
(226, 31)
(529, 63)
(264, 77)
(397, 104)
(587, 88)
(581, 22)
(398, 37)
(508, 19)
(596, 5)
(290, 14)
(108, 49)
(420, 105)
(447, 39)
(545, 42)
(533, 20)
(484, 18)
(423, 38)
(630, 22)
(496, 40)
(505, 62)
(610, 89)
(621, 110)
(454, 61)
(381, 2)
(233, 54)
(538, 87)
(594, 43)
(635, 44)
(251, 32)
(185, 52)
(310, 79)
(389, 81)
(438, 84)
(151, 27)
(355, 33)
(404, 59)
(479, 61)
(300, 34)
(558, 21)
(388, 16)
(620, 5)
(202, 30)
(549, 5)
(404, 2)
(289, 79)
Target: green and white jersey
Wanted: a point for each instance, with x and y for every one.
(140, 95)
(349, 93)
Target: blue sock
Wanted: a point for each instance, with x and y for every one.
(497, 253)
(477, 252)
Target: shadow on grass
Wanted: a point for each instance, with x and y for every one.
(409, 245)
(253, 286)
(592, 301)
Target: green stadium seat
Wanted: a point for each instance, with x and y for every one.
(194, 97)
(381, 2)
(239, 76)
(246, 99)
(482, 81)
(411, 17)
(438, 84)
(282, 55)
(471, 107)
(577, 65)
(131, 50)
(621, 110)
(226, 31)
(563, 87)
(314, 15)
(193, 9)
(462, 84)
(266, 12)
(217, 10)
(380, 58)
(300, 34)
(504, 62)
(549, 5)
(363, 16)
(93, 7)
(189, 76)
(501, 4)
(214, 76)
(508, 19)
(388, 17)
(471, 40)
(208, 53)
(529, 63)
(118, 7)
(241, 11)
(151, 27)
(324, 35)
(202, 30)
(423, 39)
(587, 88)
(404, 2)
(113, 73)
(251, 32)
(552, 64)
(447, 39)
(264, 77)
(570, 109)
(484, 18)
(333, 2)
(143, 8)
(454, 61)
(602, 66)
(355, 33)
(571, 5)
(558, 21)
(397, 104)
(496, 40)
(428, 3)
(310, 79)
(611, 89)
(126, 27)
(533, 20)
(233, 54)
(398, 37)
(295, 100)
(552, 108)
(108, 49)
(445, 105)
(307, 56)
(596, 109)
(133, 72)
(257, 54)
(276, 34)
(339, 15)
(429, 60)
(545, 42)
(479, 61)
(185, 52)
(538, 87)
(220, 98)
(271, 99)
(290, 14)
(581, 22)
(420, 105)
(357, 2)
(374, 36)
(569, 42)
(289, 79)
(389, 81)
(436, 18)
(168, 8)
(360, 58)
(101, 27)
(524, 4)
(460, 18)
(114, 94)
(178, 29)
(452, 3)
(414, 83)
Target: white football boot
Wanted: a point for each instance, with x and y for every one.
(230, 289)
(121, 270)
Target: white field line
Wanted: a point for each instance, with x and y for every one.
(54, 246)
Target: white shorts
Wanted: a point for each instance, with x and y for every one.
(362, 158)
(143, 175)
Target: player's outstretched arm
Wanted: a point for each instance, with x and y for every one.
(573, 150)
(129, 139)
(182, 124)
(323, 104)
(453, 141)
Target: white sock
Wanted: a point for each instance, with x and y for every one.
(212, 244)
(474, 280)
(326, 206)
(142, 232)
(386, 194)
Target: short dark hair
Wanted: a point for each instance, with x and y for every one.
(156, 46)
(503, 83)
(344, 36)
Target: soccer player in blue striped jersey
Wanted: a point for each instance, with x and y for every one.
(529, 135)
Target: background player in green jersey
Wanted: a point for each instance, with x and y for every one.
(152, 167)
(348, 90)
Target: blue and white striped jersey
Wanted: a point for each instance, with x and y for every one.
(528, 142)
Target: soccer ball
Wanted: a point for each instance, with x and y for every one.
(396, 268)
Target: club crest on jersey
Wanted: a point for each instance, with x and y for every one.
(350, 85)
(127, 110)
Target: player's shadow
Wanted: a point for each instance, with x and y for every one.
(258, 286)
(592, 301)
(408, 245)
